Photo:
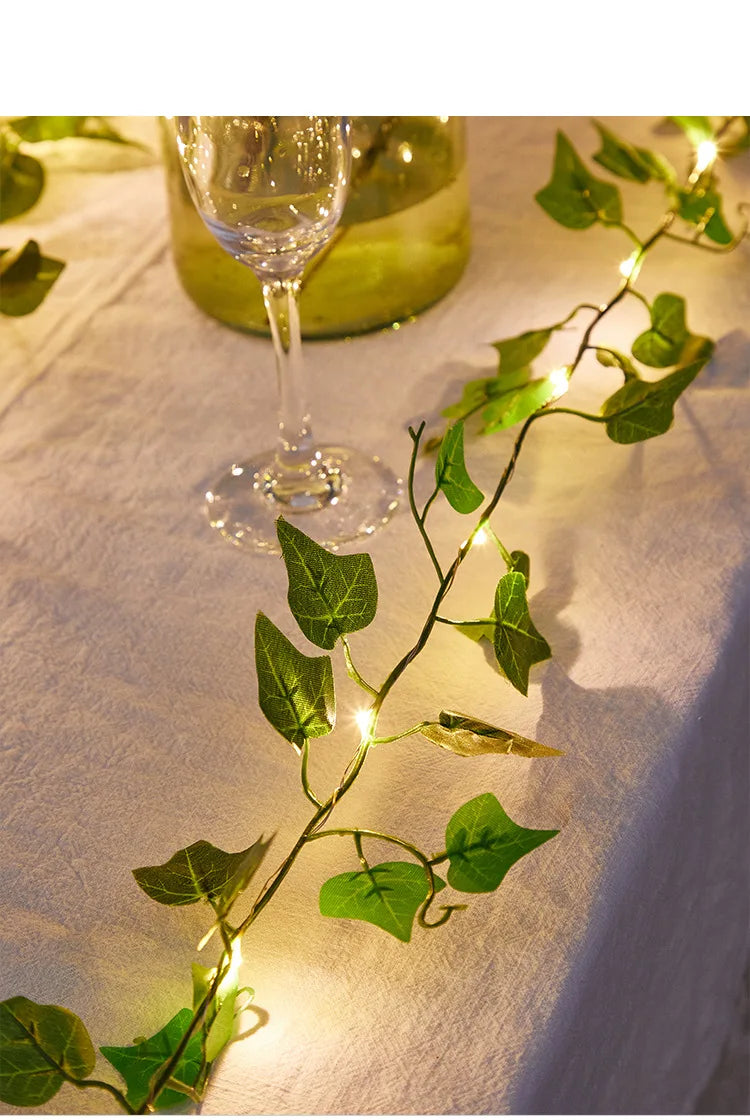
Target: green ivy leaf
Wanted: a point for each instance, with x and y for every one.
(614, 358)
(518, 643)
(739, 143)
(451, 475)
(622, 158)
(23, 180)
(520, 562)
(329, 596)
(469, 737)
(36, 129)
(202, 976)
(222, 1025)
(668, 340)
(475, 393)
(702, 207)
(295, 692)
(202, 871)
(387, 895)
(646, 408)
(482, 390)
(519, 352)
(518, 404)
(138, 1064)
(573, 196)
(697, 129)
(25, 278)
(483, 843)
(41, 1045)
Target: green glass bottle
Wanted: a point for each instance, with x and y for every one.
(403, 241)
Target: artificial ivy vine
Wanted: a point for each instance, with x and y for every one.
(332, 597)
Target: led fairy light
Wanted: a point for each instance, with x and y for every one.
(631, 266)
(233, 972)
(705, 155)
(559, 379)
(363, 720)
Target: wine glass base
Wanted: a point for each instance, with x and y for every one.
(354, 495)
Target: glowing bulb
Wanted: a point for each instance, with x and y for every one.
(404, 150)
(627, 266)
(364, 721)
(630, 267)
(232, 976)
(559, 379)
(705, 155)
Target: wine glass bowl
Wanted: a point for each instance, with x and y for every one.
(270, 201)
(271, 190)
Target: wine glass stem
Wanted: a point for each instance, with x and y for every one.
(295, 442)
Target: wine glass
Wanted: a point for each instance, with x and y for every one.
(271, 190)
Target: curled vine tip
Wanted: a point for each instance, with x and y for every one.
(447, 912)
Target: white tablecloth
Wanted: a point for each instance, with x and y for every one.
(601, 977)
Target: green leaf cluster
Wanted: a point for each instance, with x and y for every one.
(574, 197)
(139, 1063)
(640, 409)
(482, 844)
(514, 393)
(330, 597)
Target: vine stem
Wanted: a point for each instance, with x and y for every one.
(402, 734)
(352, 670)
(420, 518)
(164, 1074)
(93, 1083)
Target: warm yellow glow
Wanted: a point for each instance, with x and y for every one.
(364, 721)
(627, 266)
(705, 155)
(404, 150)
(231, 979)
(630, 267)
(559, 378)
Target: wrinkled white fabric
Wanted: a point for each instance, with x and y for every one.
(601, 977)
